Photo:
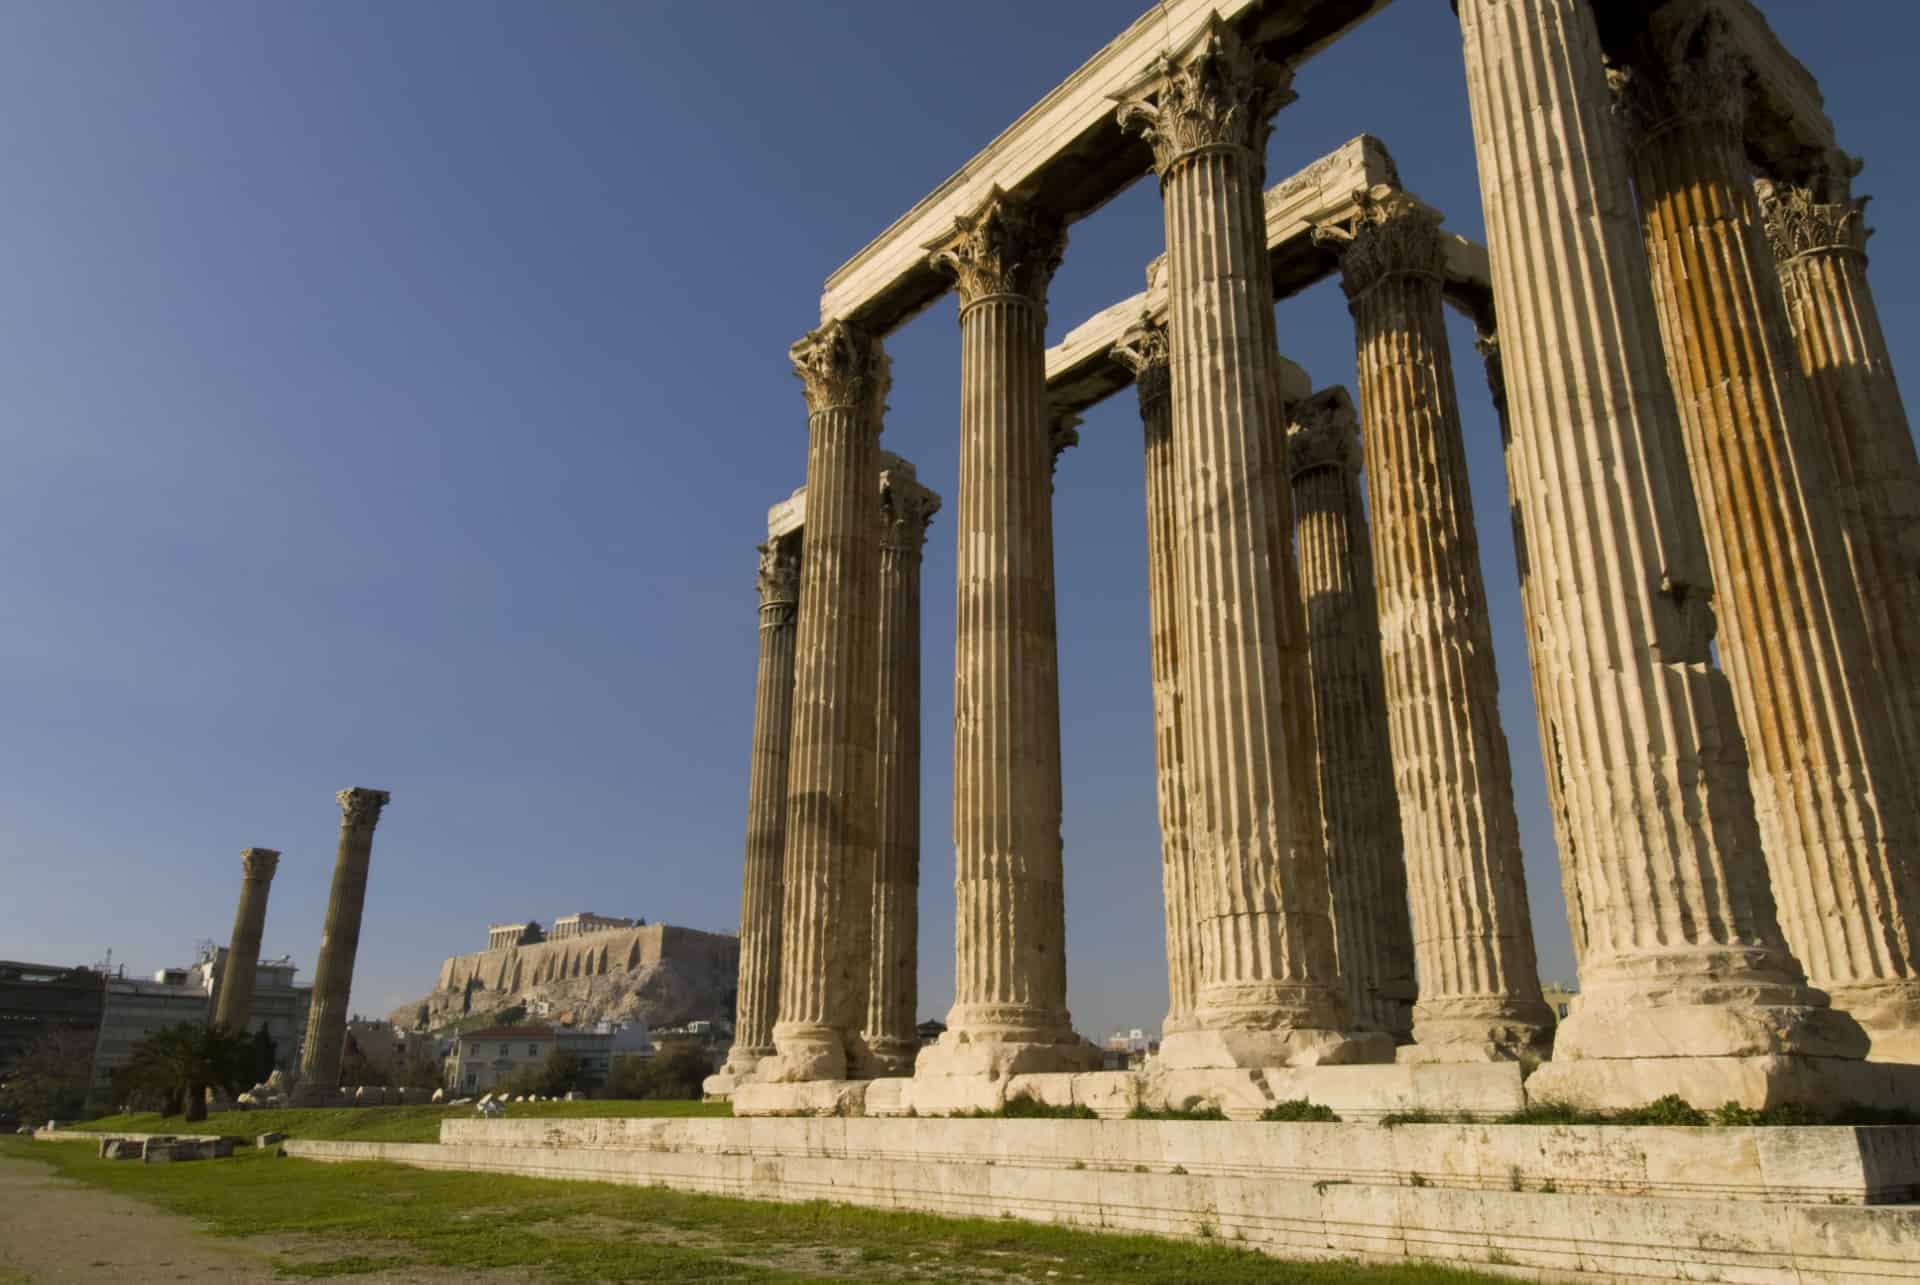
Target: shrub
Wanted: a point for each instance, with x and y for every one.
(1299, 1109)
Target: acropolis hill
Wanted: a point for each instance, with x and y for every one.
(589, 968)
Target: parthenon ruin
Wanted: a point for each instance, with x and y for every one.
(1713, 489)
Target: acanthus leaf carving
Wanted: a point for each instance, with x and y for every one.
(1798, 222)
(1390, 233)
(906, 507)
(841, 365)
(1687, 69)
(1324, 432)
(1145, 350)
(361, 807)
(1216, 92)
(1005, 247)
(779, 577)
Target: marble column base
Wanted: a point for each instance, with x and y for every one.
(1226, 1048)
(1824, 1083)
(959, 1053)
(805, 1052)
(1480, 1028)
(1889, 1011)
(891, 1057)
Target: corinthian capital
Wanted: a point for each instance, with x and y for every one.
(259, 863)
(1324, 432)
(1005, 247)
(1487, 343)
(1144, 350)
(1683, 66)
(1216, 92)
(906, 507)
(841, 366)
(1391, 233)
(779, 578)
(1799, 222)
(361, 807)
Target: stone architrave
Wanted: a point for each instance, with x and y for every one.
(1271, 993)
(906, 507)
(1144, 350)
(832, 811)
(1534, 580)
(1473, 934)
(235, 1006)
(757, 1001)
(339, 943)
(1366, 864)
(1687, 984)
(1839, 817)
(1819, 235)
(1009, 1014)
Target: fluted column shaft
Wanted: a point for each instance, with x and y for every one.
(1473, 935)
(757, 1001)
(1270, 994)
(893, 995)
(1820, 246)
(1683, 952)
(1010, 977)
(1539, 656)
(340, 940)
(1837, 814)
(1144, 349)
(1366, 864)
(831, 808)
(243, 950)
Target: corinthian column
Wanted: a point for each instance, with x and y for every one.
(831, 809)
(1686, 982)
(906, 507)
(1819, 236)
(1365, 862)
(1839, 818)
(1473, 937)
(339, 943)
(1144, 350)
(1010, 977)
(757, 995)
(1270, 993)
(243, 951)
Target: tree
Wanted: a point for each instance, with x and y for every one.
(422, 1068)
(49, 1081)
(265, 1053)
(675, 1072)
(173, 1068)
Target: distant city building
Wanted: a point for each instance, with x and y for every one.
(134, 1008)
(930, 1030)
(569, 926)
(501, 936)
(1127, 1050)
(39, 999)
(599, 1045)
(483, 1060)
(1560, 997)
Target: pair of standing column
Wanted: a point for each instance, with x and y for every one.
(1817, 691)
(830, 907)
(1683, 961)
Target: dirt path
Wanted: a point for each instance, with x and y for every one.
(54, 1230)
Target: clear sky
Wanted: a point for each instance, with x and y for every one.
(394, 394)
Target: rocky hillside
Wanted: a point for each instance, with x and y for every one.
(656, 973)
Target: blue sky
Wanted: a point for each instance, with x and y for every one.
(394, 394)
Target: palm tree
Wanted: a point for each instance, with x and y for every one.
(181, 1062)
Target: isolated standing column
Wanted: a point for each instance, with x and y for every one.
(1366, 864)
(1010, 976)
(906, 507)
(339, 942)
(1144, 350)
(1473, 934)
(243, 951)
(1271, 994)
(831, 808)
(757, 1001)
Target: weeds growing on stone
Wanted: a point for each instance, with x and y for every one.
(1176, 1113)
(1302, 1111)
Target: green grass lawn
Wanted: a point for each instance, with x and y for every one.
(349, 1219)
(386, 1124)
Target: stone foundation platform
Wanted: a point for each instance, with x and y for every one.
(1589, 1203)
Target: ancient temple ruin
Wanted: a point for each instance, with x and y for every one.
(1711, 481)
